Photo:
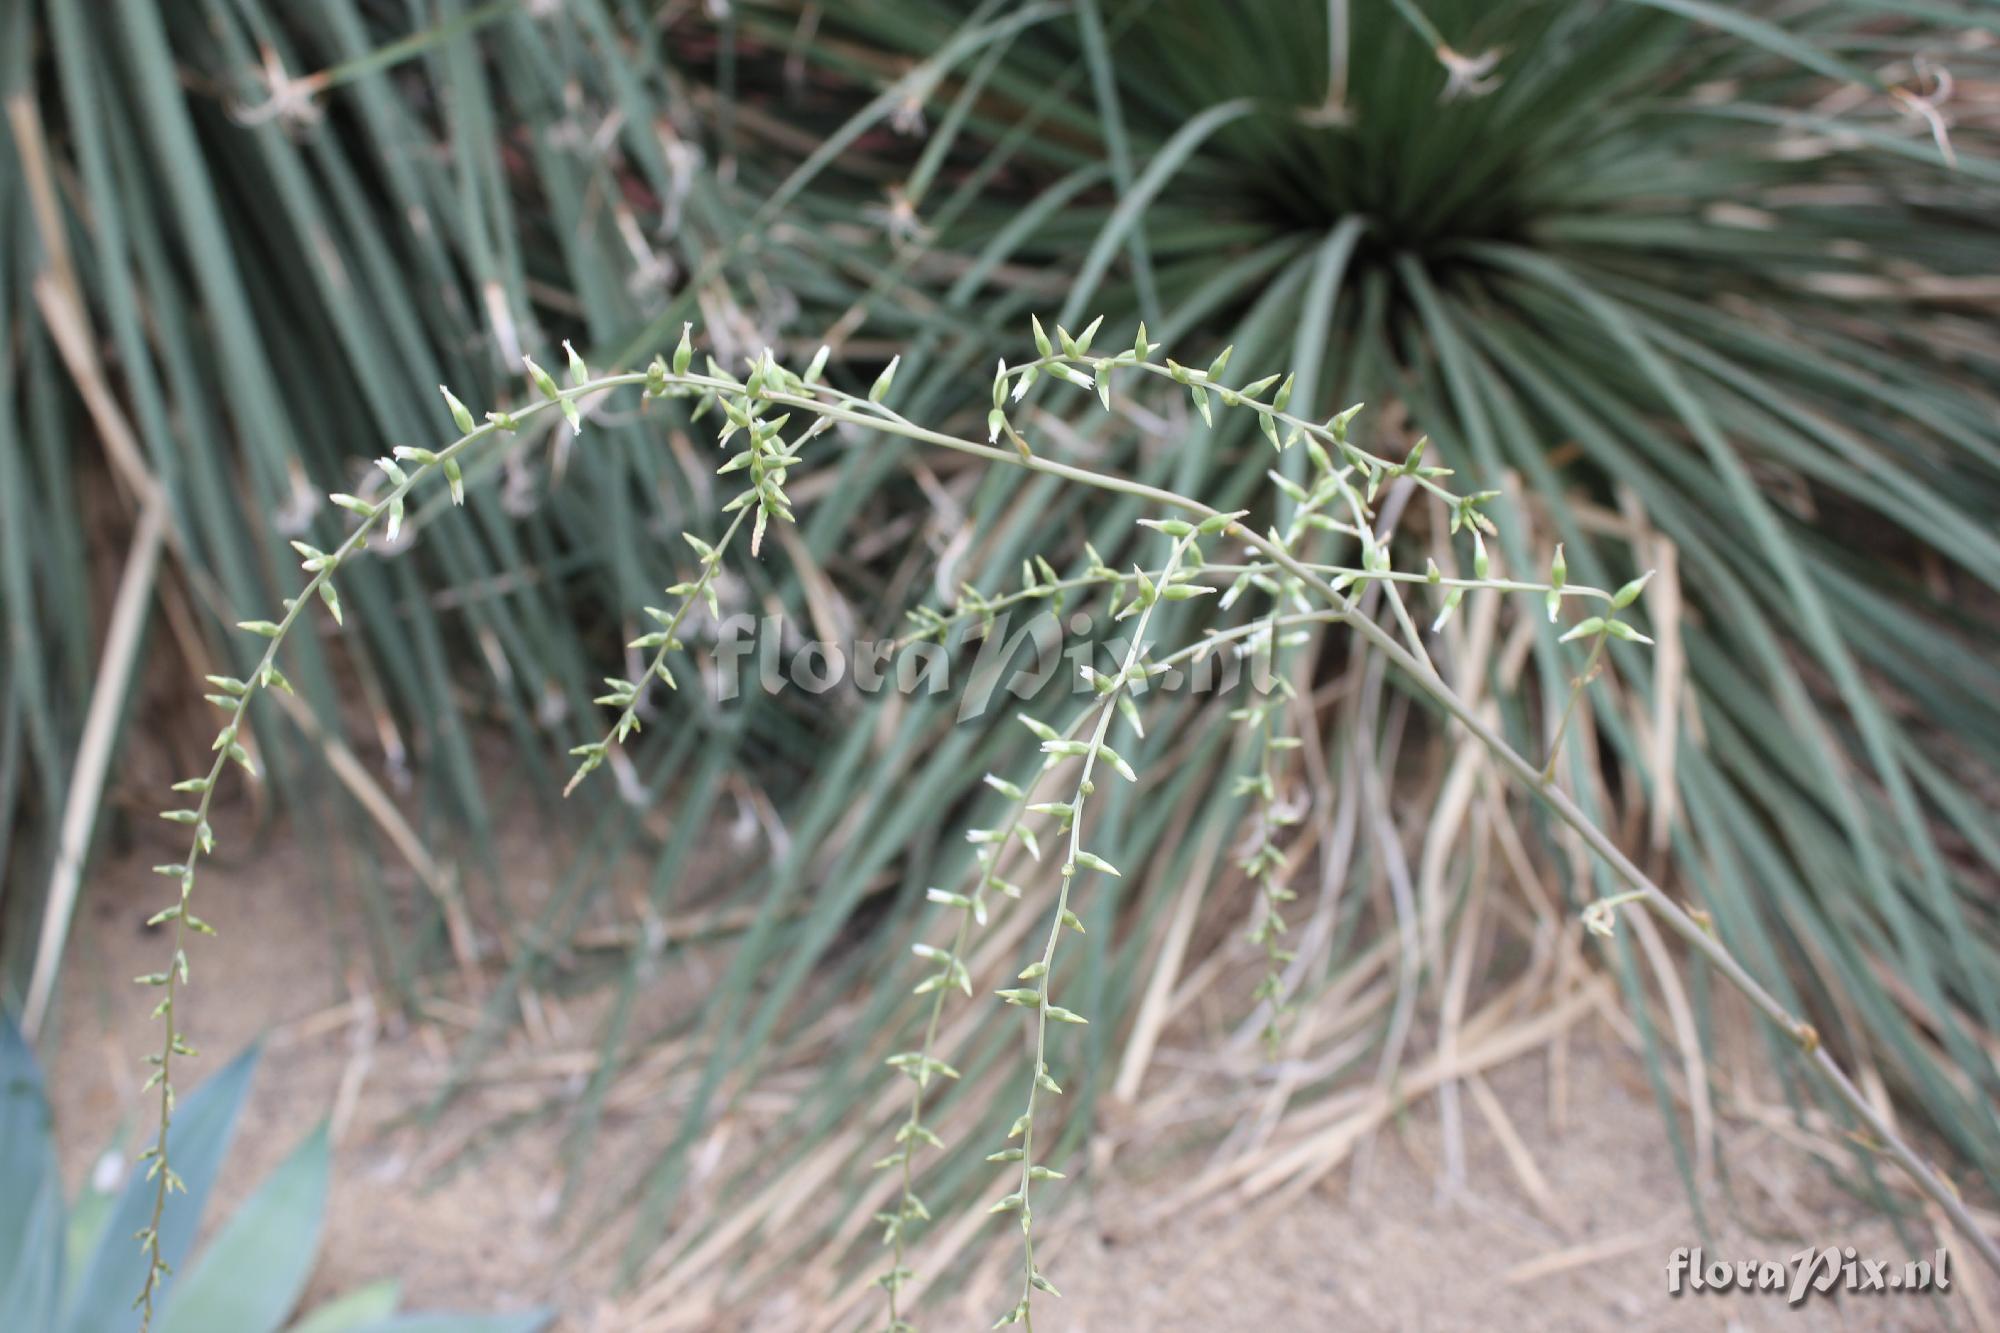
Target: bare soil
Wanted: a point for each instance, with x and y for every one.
(461, 1211)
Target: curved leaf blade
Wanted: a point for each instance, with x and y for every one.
(252, 1275)
(358, 1309)
(203, 1127)
(31, 1203)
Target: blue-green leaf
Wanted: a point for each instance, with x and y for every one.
(203, 1127)
(357, 1310)
(31, 1205)
(249, 1278)
(90, 1210)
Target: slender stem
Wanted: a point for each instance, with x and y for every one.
(174, 978)
(1231, 397)
(1106, 710)
(1426, 679)
(1336, 53)
(1342, 575)
(894, 1279)
(982, 875)
(627, 721)
(1576, 689)
(845, 408)
(1691, 932)
(1266, 863)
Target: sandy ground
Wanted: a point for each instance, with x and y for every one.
(1378, 1246)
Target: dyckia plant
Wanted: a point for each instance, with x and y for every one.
(767, 422)
(1702, 277)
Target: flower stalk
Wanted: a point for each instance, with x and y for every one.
(1345, 481)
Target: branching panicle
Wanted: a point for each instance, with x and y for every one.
(1111, 690)
(1333, 498)
(406, 471)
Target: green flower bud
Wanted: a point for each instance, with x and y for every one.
(1629, 594)
(459, 415)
